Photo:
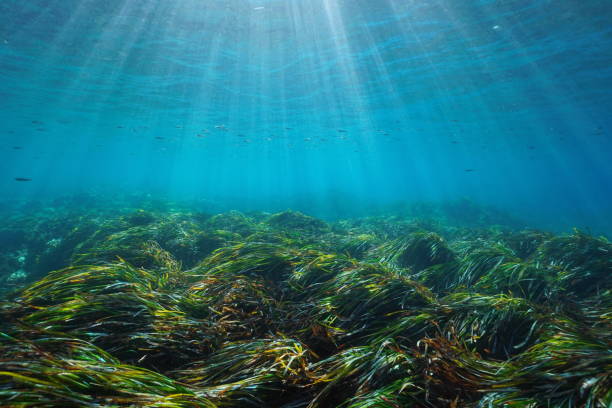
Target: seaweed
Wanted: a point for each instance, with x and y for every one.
(40, 369)
(161, 307)
(418, 251)
(295, 221)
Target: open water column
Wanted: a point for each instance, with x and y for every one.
(306, 203)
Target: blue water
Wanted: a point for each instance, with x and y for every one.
(318, 104)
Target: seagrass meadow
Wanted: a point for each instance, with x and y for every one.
(305, 203)
(176, 308)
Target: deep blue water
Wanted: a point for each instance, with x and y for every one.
(315, 103)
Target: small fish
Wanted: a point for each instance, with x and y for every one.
(119, 127)
(342, 131)
(288, 128)
(17, 148)
(469, 170)
(159, 137)
(22, 179)
(531, 147)
(454, 142)
(221, 127)
(37, 122)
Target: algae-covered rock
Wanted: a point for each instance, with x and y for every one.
(11, 238)
(57, 252)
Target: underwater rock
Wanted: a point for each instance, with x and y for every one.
(9, 263)
(18, 276)
(12, 238)
(58, 252)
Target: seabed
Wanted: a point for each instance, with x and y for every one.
(164, 307)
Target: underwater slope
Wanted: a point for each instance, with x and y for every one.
(176, 309)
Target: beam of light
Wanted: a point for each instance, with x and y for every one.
(250, 97)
